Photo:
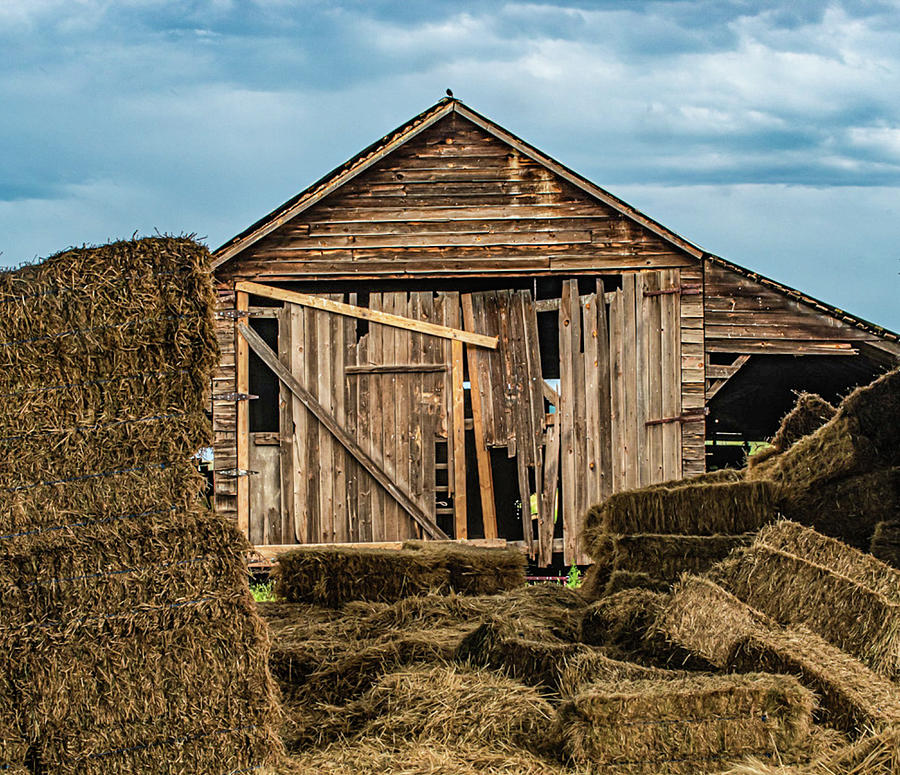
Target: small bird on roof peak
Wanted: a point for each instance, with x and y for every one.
(449, 93)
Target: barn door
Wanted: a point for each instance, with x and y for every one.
(369, 454)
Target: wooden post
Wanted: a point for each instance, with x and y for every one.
(286, 431)
(485, 478)
(242, 436)
(459, 440)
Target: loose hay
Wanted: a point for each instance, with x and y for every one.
(718, 508)
(794, 590)
(374, 757)
(127, 634)
(685, 725)
(810, 413)
(851, 697)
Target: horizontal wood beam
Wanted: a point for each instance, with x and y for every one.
(395, 368)
(265, 353)
(364, 313)
(270, 552)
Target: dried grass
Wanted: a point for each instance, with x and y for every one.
(718, 508)
(686, 725)
(708, 621)
(886, 543)
(795, 591)
(810, 412)
(666, 557)
(128, 633)
(477, 570)
(851, 696)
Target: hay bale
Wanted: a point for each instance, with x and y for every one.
(851, 697)
(590, 666)
(847, 508)
(686, 725)
(334, 575)
(810, 412)
(860, 438)
(708, 621)
(835, 555)
(666, 557)
(762, 457)
(126, 615)
(376, 757)
(718, 476)
(477, 570)
(718, 508)
(795, 591)
(621, 619)
(886, 543)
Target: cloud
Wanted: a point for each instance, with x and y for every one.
(203, 115)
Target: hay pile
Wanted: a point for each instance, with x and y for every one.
(128, 638)
(334, 575)
(686, 725)
(842, 478)
(800, 578)
(885, 543)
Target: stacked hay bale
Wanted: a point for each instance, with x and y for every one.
(839, 605)
(128, 638)
(647, 538)
(844, 478)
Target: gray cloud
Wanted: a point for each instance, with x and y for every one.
(202, 115)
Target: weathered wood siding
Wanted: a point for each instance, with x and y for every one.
(454, 200)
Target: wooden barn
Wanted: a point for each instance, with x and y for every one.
(454, 335)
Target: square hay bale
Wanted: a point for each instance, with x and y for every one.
(810, 412)
(477, 570)
(835, 555)
(852, 697)
(335, 575)
(795, 591)
(621, 580)
(666, 557)
(686, 725)
(708, 621)
(128, 616)
(593, 583)
(717, 508)
(594, 665)
(848, 508)
(886, 542)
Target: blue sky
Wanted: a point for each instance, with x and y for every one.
(767, 132)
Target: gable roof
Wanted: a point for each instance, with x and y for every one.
(444, 107)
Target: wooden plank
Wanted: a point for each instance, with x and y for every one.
(670, 360)
(364, 313)
(363, 395)
(402, 411)
(301, 422)
(617, 389)
(429, 410)
(286, 432)
(604, 420)
(341, 528)
(591, 461)
(325, 394)
(390, 427)
(459, 441)
(242, 385)
(272, 552)
(550, 490)
(259, 346)
(396, 368)
(482, 454)
(581, 499)
(568, 309)
(653, 334)
(508, 379)
(313, 452)
(632, 456)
